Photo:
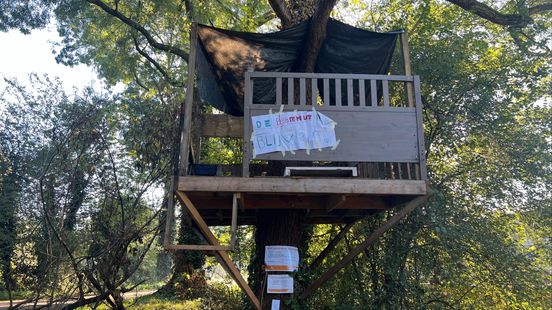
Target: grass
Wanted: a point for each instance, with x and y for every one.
(215, 296)
(156, 302)
(15, 295)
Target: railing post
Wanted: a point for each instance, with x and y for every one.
(248, 101)
(420, 128)
(185, 134)
(405, 51)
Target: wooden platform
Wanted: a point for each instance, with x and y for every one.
(324, 200)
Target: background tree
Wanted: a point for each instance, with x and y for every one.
(485, 71)
(80, 203)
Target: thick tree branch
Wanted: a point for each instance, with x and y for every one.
(540, 8)
(155, 64)
(149, 37)
(282, 11)
(317, 35)
(484, 11)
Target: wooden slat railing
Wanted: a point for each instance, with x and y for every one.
(342, 93)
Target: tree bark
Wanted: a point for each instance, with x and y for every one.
(284, 226)
(317, 35)
(518, 20)
(274, 227)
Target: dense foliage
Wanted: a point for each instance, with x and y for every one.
(77, 171)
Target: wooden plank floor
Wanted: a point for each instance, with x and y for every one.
(324, 200)
(286, 185)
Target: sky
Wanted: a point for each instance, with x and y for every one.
(22, 54)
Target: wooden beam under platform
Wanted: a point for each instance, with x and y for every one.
(217, 218)
(224, 201)
(301, 185)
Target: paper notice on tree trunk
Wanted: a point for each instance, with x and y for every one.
(275, 304)
(290, 131)
(279, 284)
(281, 258)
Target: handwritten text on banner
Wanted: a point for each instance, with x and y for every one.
(290, 131)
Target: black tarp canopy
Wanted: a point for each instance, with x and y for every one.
(224, 56)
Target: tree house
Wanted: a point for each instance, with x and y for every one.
(378, 164)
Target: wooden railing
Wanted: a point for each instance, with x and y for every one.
(379, 117)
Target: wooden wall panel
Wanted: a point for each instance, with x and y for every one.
(377, 136)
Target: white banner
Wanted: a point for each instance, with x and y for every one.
(290, 131)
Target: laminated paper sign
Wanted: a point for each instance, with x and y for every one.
(290, 131)
(279, 284)
(275, 304)
(281, 258)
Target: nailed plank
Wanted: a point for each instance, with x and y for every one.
(326, 92)
(362, 93)
(386, 136)
(241, 201)
(314, 91)
(290, 91)
(258, 109)
(222, 256)
(222, 125)
(196, 247)
(420, 127)
(373, 93)
(248, 102)
(274, 74)
(223, 202)
(385, 90)
(185, 134)
(338, 92)
(169, 218)
(309, 185)
(234, 227)
(409, 207)
(302, 91)
(279, 91)
(350, 95)
(405, 52)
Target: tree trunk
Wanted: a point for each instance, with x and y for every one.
(284, 226)
(187, 264)
(274, 227)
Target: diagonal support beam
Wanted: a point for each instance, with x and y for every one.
(320, 258)
(409, 207)
(222, 255)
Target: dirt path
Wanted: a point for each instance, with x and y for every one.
(5, 304)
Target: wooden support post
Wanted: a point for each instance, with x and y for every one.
(241, 201)
(185, 135)
(248, 101)
(234, 227)
(405, 51)
(409, 207)
(221, 255)
(169, 217)
(420, 128)
(320, 258)
(195, 130)
(197, 247)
